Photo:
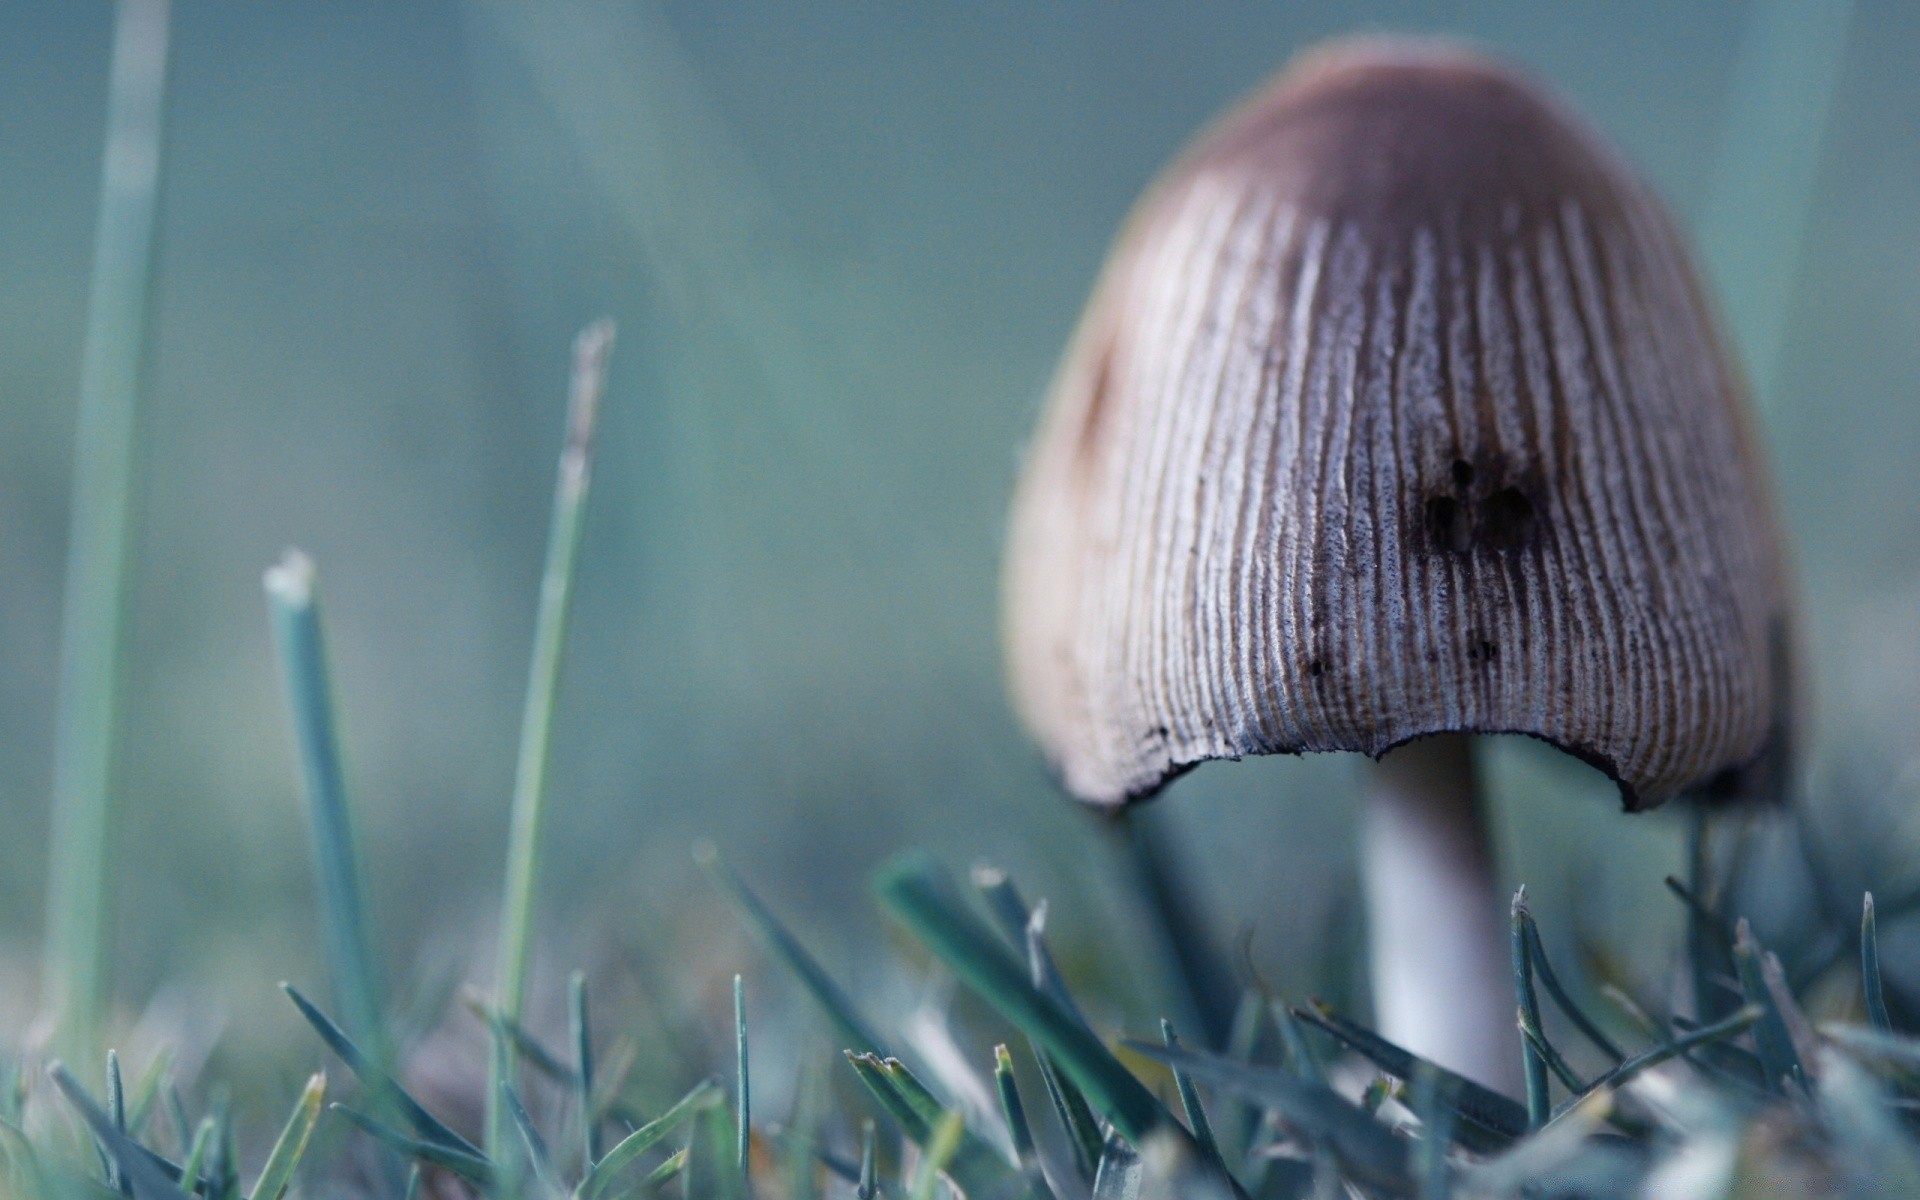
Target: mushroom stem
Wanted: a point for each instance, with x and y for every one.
(1441, 978)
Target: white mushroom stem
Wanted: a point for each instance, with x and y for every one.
(1442, 976)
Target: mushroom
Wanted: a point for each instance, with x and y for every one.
(1397, 415)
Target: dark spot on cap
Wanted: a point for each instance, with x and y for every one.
(1507, 519)
(1448, 525)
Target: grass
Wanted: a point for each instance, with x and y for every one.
(86, 712)
(1790, 1066)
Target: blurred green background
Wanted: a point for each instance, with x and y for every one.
(845, 242)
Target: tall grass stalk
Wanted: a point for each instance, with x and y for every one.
(586, 386)
(79, 887)
(293, 603)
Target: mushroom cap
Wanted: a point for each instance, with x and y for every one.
(1397, 410)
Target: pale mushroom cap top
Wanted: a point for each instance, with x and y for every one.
(1396, 411)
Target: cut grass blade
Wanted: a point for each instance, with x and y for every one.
(99, 538)
(1876, 995)
(1539, 1104)
(975, 1165)
(1368, 1150)
(144, 1177)
(538, 1156)
(586, 385)
(383, 1086)
(291, 1146)
(600, 1180)
(293, 604)
(787, 948)
(117, 1111)
(916, 894)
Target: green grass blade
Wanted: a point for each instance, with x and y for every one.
(913, 891)
(143, 1175)
(1870, 968)
(710, 1173)
(787, 948)
(538, 1156)
(196, 1158)
(382, 1085)
(291, 1146)
(117, 1111)
(1733, 1025)
(1563, 999)
(1539, 1104)
(587, 383)
(938, 1157)
(1368, 1150)
(869, 1185)
(470, 1167)
(628, 1150)
(868, 1070)
(1481, 1105)
(294, 605)
(1190, 1102)
(1770, 1037)
(672, 1167)
(99, 539)
(743, 1091)
(581, 1034)
(1015, 1113)
(975, 1166)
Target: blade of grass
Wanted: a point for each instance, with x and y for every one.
(1480, 1105)
(196, 1155)
(1770, 1036)
(538, 1156)
(586, 385)
(1870, 968)
(1539, 1105)
(787, 948)
(582, 1037)
(382, 1085)
(914, 893)
(869, 1185)
(710, 1173)
(117, 1110)
(1015, 1113)
(672, 1167)
(291, 1146)
(100, 538)
(1190, 1102)
(144, 1177)
(743, 1094)
(1562, 998)
(1368, 1150)
(976, 1167)
(627, 1151)
(938, 1157)
(470, 1167)
(1731, 1026)
(293, 603)
(1205, 983)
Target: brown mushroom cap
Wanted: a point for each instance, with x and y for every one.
(1396, 411)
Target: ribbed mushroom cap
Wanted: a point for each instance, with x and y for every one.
(1396, 411)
